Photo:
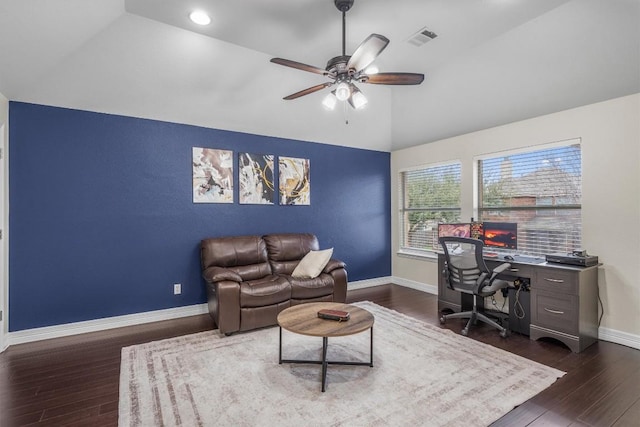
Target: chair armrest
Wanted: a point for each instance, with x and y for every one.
(502, 267)
(218, 274)
(499, 269)
(333, 264)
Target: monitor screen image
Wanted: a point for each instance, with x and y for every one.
(455, 230)
(477, 230)
(501, 235)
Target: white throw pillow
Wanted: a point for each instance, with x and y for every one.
(312, 264)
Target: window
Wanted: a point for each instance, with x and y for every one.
(541, 190)
(429, 195)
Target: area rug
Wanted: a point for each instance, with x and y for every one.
(422, 375)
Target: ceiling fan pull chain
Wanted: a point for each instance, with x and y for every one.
(346, 113)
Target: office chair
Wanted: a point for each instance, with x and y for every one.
(465, 271)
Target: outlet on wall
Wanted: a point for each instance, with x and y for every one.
(177, 288)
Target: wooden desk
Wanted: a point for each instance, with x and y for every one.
(564, 300)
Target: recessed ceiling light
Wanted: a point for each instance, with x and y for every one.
(200, 17)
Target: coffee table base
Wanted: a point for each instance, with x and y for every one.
(324, 362)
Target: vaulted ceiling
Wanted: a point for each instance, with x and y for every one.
(494, 62)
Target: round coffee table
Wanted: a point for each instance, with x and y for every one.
(303, 319)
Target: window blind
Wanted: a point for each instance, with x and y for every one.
(541, 190)
(429, 195)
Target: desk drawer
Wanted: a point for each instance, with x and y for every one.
(516, 270)
(554, 280)
(555, 311)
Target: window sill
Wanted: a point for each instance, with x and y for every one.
(418, 254)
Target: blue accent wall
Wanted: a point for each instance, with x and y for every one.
(102, 221)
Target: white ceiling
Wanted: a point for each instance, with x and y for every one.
(493, 62)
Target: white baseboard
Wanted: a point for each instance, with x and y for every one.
(419, 286)
(57, 331)
(369, 283)
(619, 337)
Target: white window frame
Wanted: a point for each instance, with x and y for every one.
(476, 184)
(407, 250)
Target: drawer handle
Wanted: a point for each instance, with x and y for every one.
(554, 280)
(554, 311)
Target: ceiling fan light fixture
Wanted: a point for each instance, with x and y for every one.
(200, 17)
(343, 92)
(329, 102)
(358, 100)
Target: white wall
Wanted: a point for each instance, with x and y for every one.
(610, 134)
(4, 207)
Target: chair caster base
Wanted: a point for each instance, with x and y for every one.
(464, 332)
(504, 333)
(442, 320)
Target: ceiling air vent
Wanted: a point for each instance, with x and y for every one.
(422, 36)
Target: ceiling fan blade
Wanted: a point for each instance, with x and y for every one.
(307, 91)
(299, 66)
(367, 52)
(393, 79)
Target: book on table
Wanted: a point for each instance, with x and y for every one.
(329, 314)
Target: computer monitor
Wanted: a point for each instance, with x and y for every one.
(502, 235)
(455, 230)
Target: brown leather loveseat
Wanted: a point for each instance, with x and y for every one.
(249, 278)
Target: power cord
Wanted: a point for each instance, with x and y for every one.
(601, 308)
(518, 309)
(495, 304)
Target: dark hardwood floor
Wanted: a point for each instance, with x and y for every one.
(73, 381)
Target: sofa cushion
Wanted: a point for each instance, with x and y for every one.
(244, 255)
(312, 264)
(264, 291)
(287, 249)
(311, 288)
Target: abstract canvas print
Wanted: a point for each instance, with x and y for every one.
(212, 175)
(295, 187)
(255, 172)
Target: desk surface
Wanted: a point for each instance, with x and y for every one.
(516, 262)
(525, 260)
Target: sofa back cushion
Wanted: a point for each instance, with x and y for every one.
(245, 255)
(287, 249)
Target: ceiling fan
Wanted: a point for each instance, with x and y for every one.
(345, 70)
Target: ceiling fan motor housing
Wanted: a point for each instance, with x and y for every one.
(343, 5)
(338, 65)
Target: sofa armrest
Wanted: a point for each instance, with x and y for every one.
(224, 305)
(339, 276)
(218, 274)
(333, 264)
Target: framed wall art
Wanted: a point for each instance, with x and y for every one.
(255, 174)
(294, 183)
(212, 175)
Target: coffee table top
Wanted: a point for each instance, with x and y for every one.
(303, 319)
